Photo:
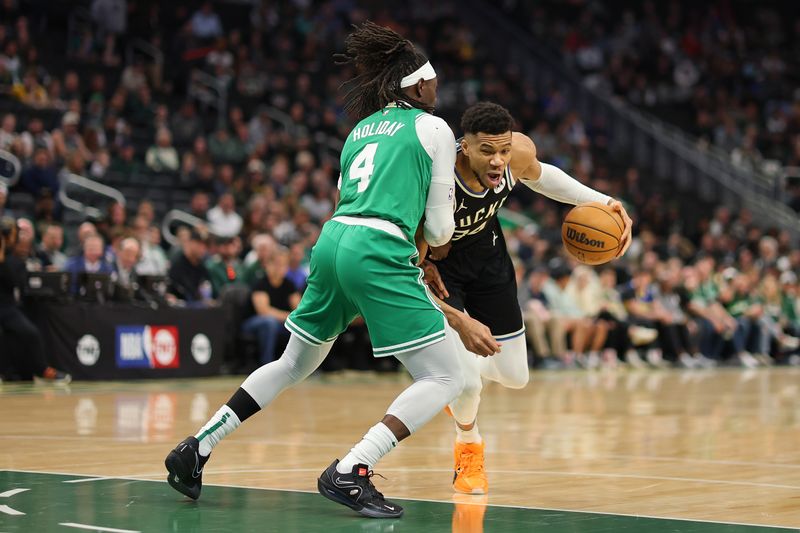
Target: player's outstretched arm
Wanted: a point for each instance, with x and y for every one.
(554, 183)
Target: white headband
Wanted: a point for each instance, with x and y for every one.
(425, 72)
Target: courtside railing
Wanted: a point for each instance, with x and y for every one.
(177, 215)
(10, 168)
(74, 182)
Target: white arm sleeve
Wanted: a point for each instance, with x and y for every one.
(558, 185)
(438, 140)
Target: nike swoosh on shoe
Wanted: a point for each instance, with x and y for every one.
(196, 473)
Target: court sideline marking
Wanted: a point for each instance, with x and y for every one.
(97, 528)
(448, 502)
(145, 477)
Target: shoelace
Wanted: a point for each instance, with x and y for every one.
(370, 487)
(467, 462)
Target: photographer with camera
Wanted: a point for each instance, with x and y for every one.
(13, 323)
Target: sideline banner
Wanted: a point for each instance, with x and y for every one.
(121, 341)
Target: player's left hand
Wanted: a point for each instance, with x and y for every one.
(433, 279)
(625, 241)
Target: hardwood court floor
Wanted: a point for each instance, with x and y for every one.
(701, 448)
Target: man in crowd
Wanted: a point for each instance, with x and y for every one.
(127, 257)
(50, 250)
(91, 261)
(189, 279)
(255, 263)
(27, 355)
(153, 261)
(225, 268)
(223, 218)
(273, 297)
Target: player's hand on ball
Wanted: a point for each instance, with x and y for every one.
(625, 241)
(477, 338)
(440, 252)
(433, 279)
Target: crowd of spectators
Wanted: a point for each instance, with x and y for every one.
(263, 189)
(725, 71)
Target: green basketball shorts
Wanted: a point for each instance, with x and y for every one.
(360, 270)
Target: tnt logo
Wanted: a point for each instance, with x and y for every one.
(147, 347)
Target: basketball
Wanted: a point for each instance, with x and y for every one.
(591, 233)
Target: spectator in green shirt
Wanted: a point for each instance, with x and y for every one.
(226, 149)
(264, 247)
(225, 268)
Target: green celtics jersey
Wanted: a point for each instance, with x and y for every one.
(386, 171)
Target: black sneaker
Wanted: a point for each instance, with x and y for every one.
(185, 466)
(356, 491)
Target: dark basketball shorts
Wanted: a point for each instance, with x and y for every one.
(483, 284)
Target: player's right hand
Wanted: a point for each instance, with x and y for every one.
(477, 338)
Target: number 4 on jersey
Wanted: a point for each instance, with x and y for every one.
(362, 166)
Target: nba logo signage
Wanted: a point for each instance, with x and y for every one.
(147, 347)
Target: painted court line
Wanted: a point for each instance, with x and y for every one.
(491, 471)
(8, 510)
(560, 510)
(9, 493)
(449, 502)
(97, 528)
(84, 480)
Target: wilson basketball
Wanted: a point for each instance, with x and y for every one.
(591, 233)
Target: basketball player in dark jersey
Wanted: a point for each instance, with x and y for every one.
(477, 271)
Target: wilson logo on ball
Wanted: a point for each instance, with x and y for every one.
(581, 238)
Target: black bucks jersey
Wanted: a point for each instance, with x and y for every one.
(476, 212)
(478, 272)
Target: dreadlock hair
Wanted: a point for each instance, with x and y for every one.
(383, 58)
(486, 117)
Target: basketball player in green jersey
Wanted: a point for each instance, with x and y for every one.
(397, 164)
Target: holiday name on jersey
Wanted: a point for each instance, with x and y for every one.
(384, 127)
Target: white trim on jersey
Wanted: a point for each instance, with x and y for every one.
(409, 343)
(509, 336)
(371, 222)
(301, 333)
(467, 190)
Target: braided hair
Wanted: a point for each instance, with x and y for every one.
(383, 58)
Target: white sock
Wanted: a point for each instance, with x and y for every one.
(468, 436)
(378, 441)
(217, 428)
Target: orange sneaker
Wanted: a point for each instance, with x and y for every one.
(469, 476)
